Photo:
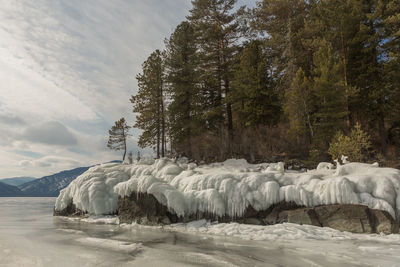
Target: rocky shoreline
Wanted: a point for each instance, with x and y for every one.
(144, 209)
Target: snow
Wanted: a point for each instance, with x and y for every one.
(282, 232)
(108, 244)
(230, 187)
(93, 190)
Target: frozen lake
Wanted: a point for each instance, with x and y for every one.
(31, 236)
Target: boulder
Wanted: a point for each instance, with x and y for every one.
(69, 211)
(273, 214)
(343, 217)
(300, 216)
(383, 222)
(351, 218)
(144, 209)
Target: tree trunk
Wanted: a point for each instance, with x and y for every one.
(188, 125)
(382, 134)
(123, 158)
(158, 128)
(224, 75)
(230, 120)
(346, 84)
(124, 136)
(162, 121)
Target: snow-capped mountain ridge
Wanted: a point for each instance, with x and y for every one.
(9, 191)
(17, 181)
(50, 186)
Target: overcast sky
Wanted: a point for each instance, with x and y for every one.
(67, 70)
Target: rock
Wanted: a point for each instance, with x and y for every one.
(272, 214)
(143, 209)
(300, 216)
(254, 221)
(383, 222)
(69, 211)
(351, 218)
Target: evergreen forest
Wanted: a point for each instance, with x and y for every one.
(287, 79)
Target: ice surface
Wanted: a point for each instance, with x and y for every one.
(31, 236)
(231, 186)
(101, 243)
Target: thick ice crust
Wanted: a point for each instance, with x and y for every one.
(228, 188)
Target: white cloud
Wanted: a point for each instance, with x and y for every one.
(51, 133)
(50, 162)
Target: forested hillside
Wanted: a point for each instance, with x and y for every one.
(280, 81)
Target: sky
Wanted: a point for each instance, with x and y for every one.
(67, 71)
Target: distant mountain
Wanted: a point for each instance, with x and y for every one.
(9, 191)
(50, 186)
(17, 181)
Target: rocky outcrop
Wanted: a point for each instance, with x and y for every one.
(69, 211)
(145, 209)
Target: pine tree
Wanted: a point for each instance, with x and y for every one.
(356, 145)
(282, 21)
(118, 135)
(149, 103)
(329, 94)
(300, 106)
(253, 95)
(337, 22)
(218, 30)
(391, 47)
(184, 111)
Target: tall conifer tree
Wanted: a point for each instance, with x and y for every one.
(255, 99)
(329, 94)
(218, 31)
(149, 103)
(182, 75)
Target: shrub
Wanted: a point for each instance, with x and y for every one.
(356, 145)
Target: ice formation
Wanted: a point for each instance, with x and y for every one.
(231, 186)
(285, 231)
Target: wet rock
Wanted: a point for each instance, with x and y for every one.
(143, 209)
(69, 211)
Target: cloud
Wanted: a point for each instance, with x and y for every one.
(10, 119)
(50, 133)
(26, 153)
(50, 162)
